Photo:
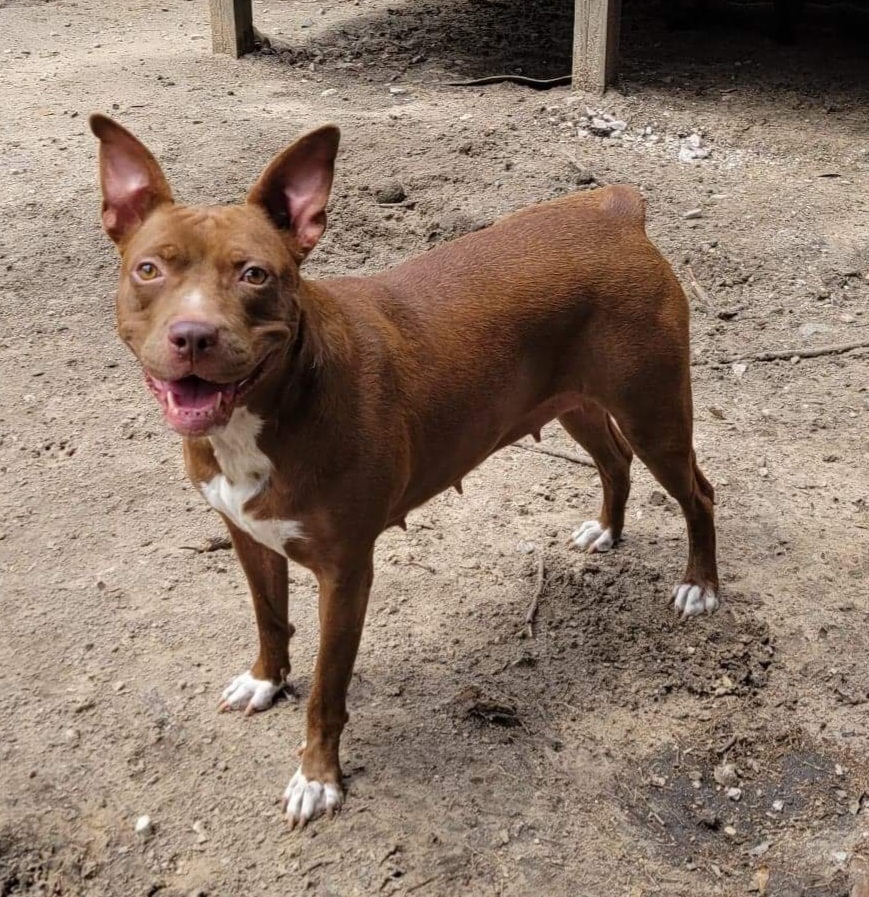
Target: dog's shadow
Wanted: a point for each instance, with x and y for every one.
(605, 637)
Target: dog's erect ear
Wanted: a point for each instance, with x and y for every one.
(132, 181)
(294, 189)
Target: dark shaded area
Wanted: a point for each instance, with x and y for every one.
(740, 801)
(720, 44)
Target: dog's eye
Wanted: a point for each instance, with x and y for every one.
(255, 275)
(147, 271)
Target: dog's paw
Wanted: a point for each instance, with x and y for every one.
(306, 799)
(691, 600)
(592, 537)
(249, 694)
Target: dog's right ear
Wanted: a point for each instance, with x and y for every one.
(294, 189)
(133, 183)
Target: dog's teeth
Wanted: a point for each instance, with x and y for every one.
(170, 400)
(219, 400)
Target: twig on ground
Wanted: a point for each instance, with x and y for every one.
(731, 742)
(698, 290)
(212, 543)
(555, 453)
(421, 566)
(795, 353)
(531, 613)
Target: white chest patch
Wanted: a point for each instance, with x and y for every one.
(245, 471)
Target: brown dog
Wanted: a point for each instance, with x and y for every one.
(316, 415)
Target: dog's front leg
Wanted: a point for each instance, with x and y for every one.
(266, 572)
(316, 787)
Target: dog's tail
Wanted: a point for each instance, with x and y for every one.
(624, 202)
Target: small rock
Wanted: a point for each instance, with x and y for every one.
(734, 794)
(708, 819)
(846, 318)
(390, 194)
(761, 881)
(526, 547)
(725, 775)
(692, 148)
(605, 127)
(810, 328)
(691, 214)
(778, 806)
(329, 92)
(72, 737)
(729, 830)
(398, 91)
(739, 369)
(760, 849)
(724, 686)
(144, 828)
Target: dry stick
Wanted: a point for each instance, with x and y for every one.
(555, 453)
(212, 543)
(531, 613)
(798, 353)
(698, 291)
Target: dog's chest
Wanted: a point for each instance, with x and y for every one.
(245, 471)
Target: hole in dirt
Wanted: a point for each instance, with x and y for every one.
(30, 864)
(741, 797)
(614, 618)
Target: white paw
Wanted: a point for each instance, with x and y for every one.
(691, 600)
(249, 693)
(592, 537)
(306, 799)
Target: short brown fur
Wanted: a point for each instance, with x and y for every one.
(380, 392)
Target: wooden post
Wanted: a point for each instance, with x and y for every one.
(231, 26)
(595, 43)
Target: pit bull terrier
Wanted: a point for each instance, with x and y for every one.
(315, 414)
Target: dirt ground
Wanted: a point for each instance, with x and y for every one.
(597, 758)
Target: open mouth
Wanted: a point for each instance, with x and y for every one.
(194, 407)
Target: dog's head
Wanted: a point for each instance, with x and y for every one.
(207, 299)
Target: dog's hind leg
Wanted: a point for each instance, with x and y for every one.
(591, 426)
(659, 429)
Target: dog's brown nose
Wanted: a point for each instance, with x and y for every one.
(192, 338)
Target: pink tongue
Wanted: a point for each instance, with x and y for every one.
(193, 394)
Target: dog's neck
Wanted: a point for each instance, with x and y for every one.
(321, 351)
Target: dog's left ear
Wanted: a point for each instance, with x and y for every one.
(294, 189)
